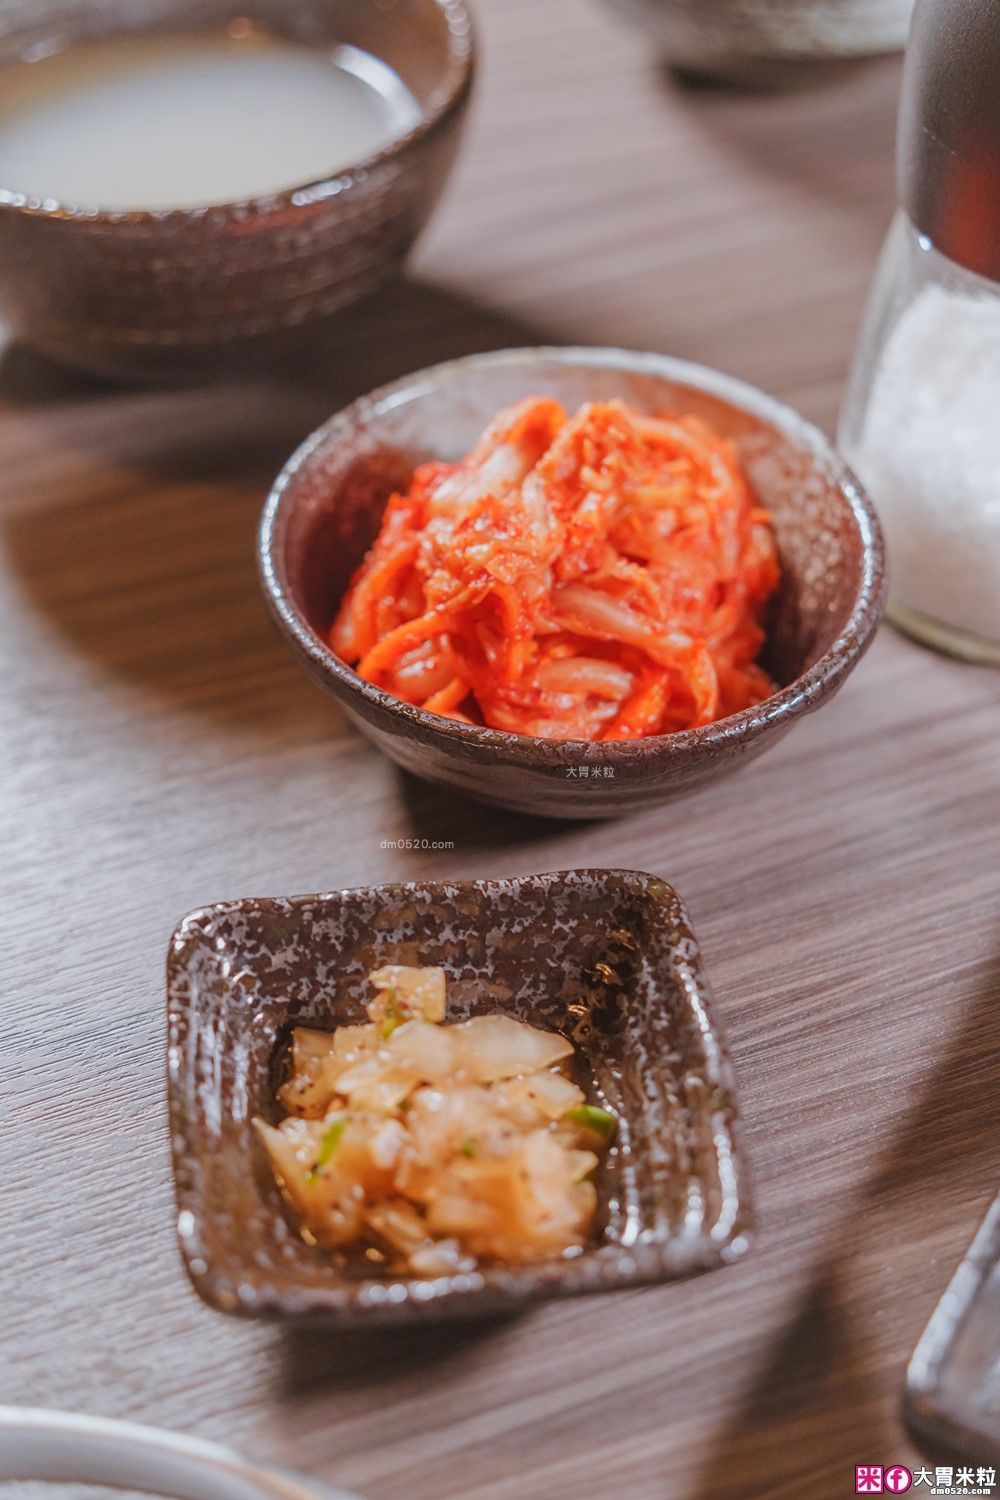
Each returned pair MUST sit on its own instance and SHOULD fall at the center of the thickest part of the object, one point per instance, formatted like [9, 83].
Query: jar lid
[949, 130]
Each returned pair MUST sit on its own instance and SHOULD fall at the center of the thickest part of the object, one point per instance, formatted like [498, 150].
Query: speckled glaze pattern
[325, 508]
[153, 294]
[606, 957]
[739, 39]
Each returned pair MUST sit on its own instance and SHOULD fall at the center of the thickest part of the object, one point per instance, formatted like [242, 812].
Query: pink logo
[868, 1479]
[897, 1479]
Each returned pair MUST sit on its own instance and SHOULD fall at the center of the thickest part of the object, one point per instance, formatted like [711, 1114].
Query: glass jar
[921, 419]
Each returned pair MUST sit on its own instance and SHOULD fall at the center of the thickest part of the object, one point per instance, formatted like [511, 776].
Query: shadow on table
[835, 143]
[811, 1413]
[773, 79]
[407, 324]
[440, 815]
[808, 1410]
[133, 529]
[314, 1359]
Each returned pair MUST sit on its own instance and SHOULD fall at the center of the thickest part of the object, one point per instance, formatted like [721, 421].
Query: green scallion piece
[591, 1117]
[327, 1147]
[468, 1147]
[394, 1016]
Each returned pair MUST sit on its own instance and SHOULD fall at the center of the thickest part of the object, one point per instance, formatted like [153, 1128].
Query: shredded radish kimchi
[596, 577]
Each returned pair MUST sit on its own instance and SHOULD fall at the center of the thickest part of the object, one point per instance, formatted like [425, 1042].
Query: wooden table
[160, 751]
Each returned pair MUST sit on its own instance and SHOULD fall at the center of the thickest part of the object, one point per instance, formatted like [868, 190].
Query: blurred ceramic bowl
[71, 1449]
[326, 507]
[762, 42]
[152, 293]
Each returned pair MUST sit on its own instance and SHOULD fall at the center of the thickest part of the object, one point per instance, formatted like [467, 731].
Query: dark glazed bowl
[152, 295]
[606, 957]
[767, 43]
[324, 512]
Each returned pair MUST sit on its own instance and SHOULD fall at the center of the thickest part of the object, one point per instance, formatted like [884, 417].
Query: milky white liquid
[154, 123]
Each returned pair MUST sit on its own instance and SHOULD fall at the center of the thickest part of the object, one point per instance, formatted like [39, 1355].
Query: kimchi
[596, 577]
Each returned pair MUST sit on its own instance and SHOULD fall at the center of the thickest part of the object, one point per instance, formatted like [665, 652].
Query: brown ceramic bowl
[154, 294]
[764, 43]
[607, 957]
[324, 512]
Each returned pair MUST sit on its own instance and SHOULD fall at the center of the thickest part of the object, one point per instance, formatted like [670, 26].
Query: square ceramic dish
[607, 957]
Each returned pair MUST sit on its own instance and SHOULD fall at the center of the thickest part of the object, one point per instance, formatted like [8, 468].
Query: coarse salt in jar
[921, 421]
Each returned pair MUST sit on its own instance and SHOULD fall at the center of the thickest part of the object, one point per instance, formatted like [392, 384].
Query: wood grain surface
[160, 750]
